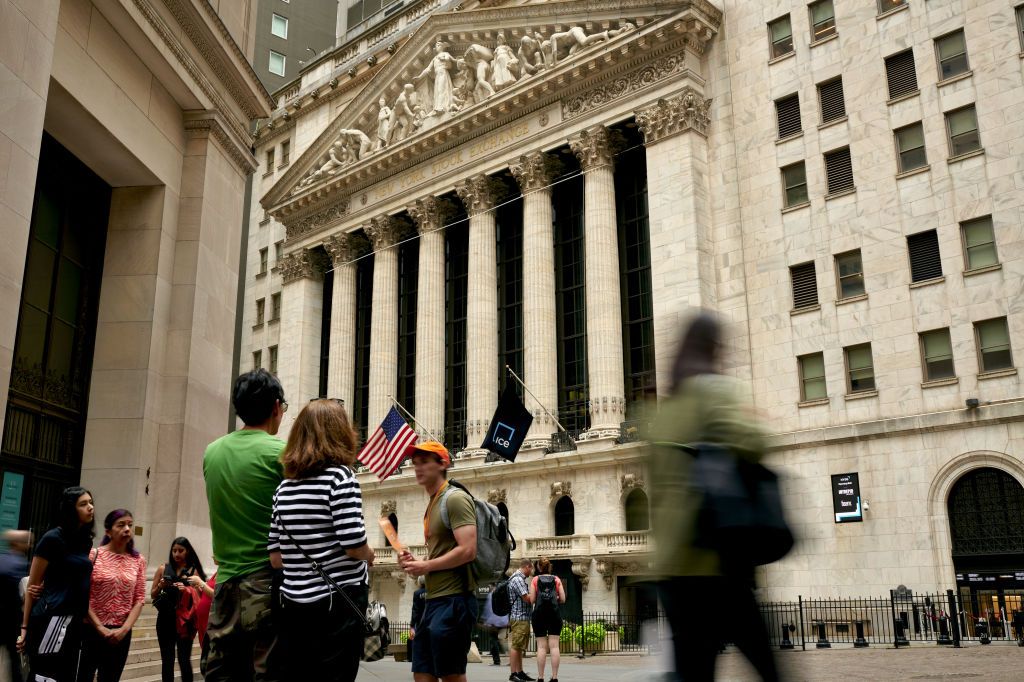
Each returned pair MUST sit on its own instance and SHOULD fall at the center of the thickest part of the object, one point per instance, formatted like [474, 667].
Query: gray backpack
[494, 541]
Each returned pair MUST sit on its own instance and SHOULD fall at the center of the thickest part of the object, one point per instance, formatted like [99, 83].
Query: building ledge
[954, 79]
[914, 171]
[261, 274]
[948, 381]
[840, 193]
[851, 299]
[257, 326]
[789, 138]
[782, 57]
[801, 311]
[833, 122]
[894, 10]
[981, 271]
[860, 395]
[998, 373]
[813, 403]
[816, 43]
[928, 282]
[963, 157]
[903, 97]
[796, 207]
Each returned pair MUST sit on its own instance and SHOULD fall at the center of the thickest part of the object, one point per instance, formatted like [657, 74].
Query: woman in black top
[175, 593]
[51, 626]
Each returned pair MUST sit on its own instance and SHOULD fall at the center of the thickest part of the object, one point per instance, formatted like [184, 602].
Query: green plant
[592, 636]
[622, 632]
[403, 638]
[568, 634]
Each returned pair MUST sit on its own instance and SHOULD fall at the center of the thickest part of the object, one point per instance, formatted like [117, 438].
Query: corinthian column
[534, 173]
[479, 194]
[384, 233]
[429, 214]
[595, 150]
[343, 250]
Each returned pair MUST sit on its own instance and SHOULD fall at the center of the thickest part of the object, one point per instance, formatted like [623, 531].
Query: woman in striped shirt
[318, 511]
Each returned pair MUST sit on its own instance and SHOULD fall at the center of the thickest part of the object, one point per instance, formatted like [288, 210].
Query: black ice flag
[509, 425]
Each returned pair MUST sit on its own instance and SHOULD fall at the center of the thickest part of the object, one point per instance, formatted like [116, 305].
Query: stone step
[150, 670]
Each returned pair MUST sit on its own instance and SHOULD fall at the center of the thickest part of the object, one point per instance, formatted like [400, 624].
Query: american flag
[384, 450]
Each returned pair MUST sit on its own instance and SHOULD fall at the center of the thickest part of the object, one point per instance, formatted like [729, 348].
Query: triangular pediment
[491, 62]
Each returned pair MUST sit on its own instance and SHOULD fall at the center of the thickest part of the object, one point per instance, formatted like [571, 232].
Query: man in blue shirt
[519, 620]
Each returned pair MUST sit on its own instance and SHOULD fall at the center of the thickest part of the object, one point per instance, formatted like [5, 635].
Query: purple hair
[108, 524]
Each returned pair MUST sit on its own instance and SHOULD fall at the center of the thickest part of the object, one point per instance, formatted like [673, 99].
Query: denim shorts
[442, 637]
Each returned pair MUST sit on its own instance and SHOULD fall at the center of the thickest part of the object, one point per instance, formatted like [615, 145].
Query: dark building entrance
[44, 428]
[986, 523]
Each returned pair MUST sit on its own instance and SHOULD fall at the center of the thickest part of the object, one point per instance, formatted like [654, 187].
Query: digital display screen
[846, 501]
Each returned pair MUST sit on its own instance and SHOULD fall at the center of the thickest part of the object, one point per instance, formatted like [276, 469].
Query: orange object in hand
[391, 534]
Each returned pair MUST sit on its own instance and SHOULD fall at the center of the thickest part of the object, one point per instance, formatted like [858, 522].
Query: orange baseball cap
[431, 447]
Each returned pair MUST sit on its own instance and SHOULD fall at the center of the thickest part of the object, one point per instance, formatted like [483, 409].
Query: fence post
[822, 642]
[898, 636]
[954, 617]
[803, 638]
[860, 642]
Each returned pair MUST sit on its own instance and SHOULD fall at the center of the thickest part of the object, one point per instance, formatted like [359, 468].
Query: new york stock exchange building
[553, 187]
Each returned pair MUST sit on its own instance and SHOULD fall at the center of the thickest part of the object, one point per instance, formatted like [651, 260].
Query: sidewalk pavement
[996, 663]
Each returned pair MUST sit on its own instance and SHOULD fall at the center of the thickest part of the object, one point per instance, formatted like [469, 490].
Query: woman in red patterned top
[116, 596]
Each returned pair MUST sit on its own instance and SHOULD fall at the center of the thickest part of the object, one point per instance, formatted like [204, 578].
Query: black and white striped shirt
[324, 514]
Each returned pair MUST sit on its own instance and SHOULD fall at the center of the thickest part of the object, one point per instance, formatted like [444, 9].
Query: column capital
[302, 264]
[535, 170]
[689, 110]
[385, 231]
[595, 147]
[344, 248]
[429, 213]
[479, 193]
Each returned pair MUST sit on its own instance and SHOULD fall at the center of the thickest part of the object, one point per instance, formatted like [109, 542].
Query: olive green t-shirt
[441, 540]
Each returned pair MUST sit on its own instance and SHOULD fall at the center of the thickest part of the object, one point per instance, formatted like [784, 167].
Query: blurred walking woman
[176, 590]
[115, 600]
[51, 626]
[318, 514]
[706, 600]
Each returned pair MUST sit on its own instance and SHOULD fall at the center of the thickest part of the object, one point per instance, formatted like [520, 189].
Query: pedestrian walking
[704, 407]
[13, 567]
[519, 620]
[175, 592]
[116, 596]
[242, 472]
[442, 639]
[318, 517]
[57, 599]
[493, 626]
[547, 595]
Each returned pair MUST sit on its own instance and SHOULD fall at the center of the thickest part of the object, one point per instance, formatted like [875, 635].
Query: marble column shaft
[479, 195]
[384, 235]
[430, 214]
[343, 250]
[595, 149]
[534, 173]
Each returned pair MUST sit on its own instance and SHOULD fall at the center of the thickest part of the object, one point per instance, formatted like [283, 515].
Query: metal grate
[833, 106]
[925, 262]
[901, 74]
[787, 113]
[839, 170]
[805, 286]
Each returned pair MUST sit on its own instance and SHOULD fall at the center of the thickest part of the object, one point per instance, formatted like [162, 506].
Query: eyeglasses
[337, 400]
[284, 406]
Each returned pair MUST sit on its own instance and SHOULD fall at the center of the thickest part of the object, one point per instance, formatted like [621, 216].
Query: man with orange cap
[443, 634]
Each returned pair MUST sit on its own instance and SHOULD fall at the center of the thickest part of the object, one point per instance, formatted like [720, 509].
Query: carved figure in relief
[478, 60]
[383, 124]
[336, 158]
[504, 66]
[563, 44]
[403, 114]
[356, 144]
[440, 67]
[530, 58]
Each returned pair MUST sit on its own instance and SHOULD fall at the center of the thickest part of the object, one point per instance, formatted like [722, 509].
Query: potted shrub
[400, 649]
[567, 641]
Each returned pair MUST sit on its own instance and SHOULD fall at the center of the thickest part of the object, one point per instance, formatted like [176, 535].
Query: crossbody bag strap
[334, 586]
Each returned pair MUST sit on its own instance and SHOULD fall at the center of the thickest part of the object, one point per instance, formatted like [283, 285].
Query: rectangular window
[951, 53]
[830, 98]
[364, 315]
[823, 19]
[937, 355]
[794, 183]
[278, 251]
[270, 161]
[787, 115]
[780, 32]
[408, 282]
[276, 64]
[279, 26]
[257, 359]
[839, 170]
[812, 376]
[509, 233]
[275, 307]
[456, 302]
[860, 371]
[272, 351]
[571, 307]
[910, 147]
[886, 5]
[925, 261]
[993, 339]
[979, 241]
[286, 149]
[261, 310]
[962, 128]
[1020, 25]
[901, 74]
[805, 285]
[850, 274]
[263, 261]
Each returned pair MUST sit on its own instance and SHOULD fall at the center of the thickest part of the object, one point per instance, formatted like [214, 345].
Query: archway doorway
[638, 516]
[565, 517]
[986, 524]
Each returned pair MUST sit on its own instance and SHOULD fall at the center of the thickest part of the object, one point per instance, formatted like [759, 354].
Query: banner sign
[846, 498]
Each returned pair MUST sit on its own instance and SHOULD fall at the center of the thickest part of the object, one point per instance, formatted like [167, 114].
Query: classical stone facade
[436, 137]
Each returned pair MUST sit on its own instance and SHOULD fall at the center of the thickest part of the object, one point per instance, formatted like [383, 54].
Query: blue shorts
[442, 637]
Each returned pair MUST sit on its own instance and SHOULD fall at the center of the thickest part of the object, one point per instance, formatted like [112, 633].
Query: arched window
[565, 517]
[393, 518]
[638, 515]
[986, 517]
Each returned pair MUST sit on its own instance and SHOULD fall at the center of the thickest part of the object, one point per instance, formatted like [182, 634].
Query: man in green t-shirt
[443, 633]
[242, 471]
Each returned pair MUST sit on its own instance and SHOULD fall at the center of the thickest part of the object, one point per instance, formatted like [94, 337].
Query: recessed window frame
[275, 307]
[850, 369]
[257, 359]
[948, 115]
[805, 379]
[982, 369]
[272, 360]
[803, 279]
[889, 62]
[904, 157]
[831, 160]
[261, 311]
[964, 225]
[777, 47]
[918, 238]
[277, 21]
[264, 257]
[786, 109]
[286, 152]
[786, 187]
[927, 360]
[270, 63]
[890, 5]
[827, 29]
[1019, 11]
[270, 160]
[822, 101]
[278, 251]
[939, 61]
[842, 279]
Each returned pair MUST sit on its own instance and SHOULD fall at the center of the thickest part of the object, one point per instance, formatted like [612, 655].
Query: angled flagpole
[411, 416]
[527, 389]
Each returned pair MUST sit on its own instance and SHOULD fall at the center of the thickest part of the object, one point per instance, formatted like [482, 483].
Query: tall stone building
[124, 151]
[291, 35]
[552, 186]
